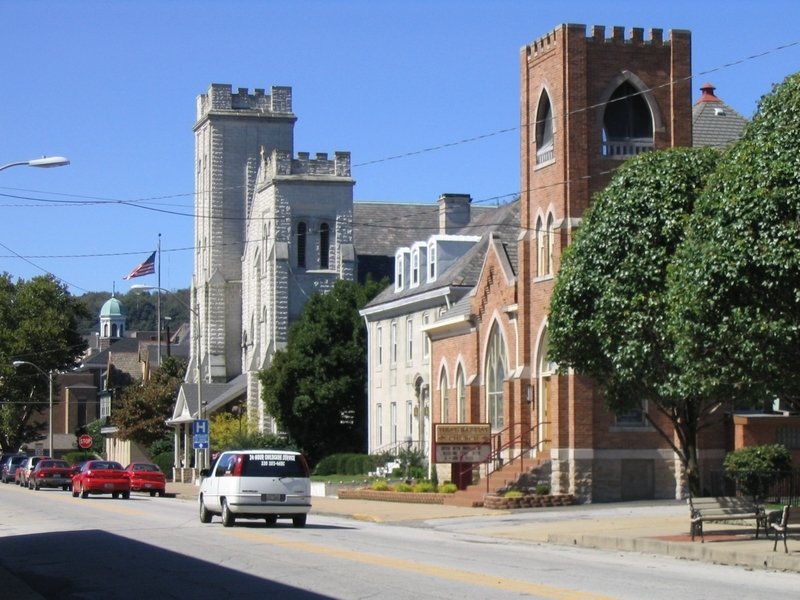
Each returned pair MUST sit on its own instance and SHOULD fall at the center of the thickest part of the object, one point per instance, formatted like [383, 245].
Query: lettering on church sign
[462, 442]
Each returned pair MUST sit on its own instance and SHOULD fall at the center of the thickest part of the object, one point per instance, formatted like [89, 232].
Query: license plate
[108, 486]
[272, 497]
[148, 485]
[56, 475]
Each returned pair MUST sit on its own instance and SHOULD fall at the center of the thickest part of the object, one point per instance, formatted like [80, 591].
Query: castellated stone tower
[588, 101]
[230, 132]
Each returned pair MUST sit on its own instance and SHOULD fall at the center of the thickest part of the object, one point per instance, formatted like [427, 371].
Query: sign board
[462, 442]
[200, 433]
[85, 441]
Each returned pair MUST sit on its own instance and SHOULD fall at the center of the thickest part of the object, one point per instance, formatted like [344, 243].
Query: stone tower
[587, 103]
[230, 132]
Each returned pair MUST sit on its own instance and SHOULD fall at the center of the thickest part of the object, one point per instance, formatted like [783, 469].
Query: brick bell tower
[587, 103]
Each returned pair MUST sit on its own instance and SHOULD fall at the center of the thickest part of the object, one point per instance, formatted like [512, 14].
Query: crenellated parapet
[597, 35]
[280, 163]
[221, 97]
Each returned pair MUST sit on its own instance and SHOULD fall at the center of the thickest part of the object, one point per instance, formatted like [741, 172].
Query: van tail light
[237, 468]
[305, 465]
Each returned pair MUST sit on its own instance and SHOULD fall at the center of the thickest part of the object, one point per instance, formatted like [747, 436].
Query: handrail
[496, 457]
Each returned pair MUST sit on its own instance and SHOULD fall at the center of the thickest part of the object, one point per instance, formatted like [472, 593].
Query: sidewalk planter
[391, 496]
[529, 501]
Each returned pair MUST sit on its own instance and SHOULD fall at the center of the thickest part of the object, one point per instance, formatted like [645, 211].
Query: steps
[510, 472]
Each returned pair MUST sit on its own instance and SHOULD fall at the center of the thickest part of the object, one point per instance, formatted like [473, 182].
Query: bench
[789, 515]
[724, 508]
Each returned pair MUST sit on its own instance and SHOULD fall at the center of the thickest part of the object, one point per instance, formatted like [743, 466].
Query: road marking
[61, 496]
[500, 583]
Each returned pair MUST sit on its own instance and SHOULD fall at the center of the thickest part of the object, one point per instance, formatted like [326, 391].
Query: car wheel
[74, 492]
[65, 487]
[115, 495]
[228, 519]
[126, 495]
[152, 494]
[30, 485]
[271, 520]
[299, 520]
[84, 493]
[162, 494]
[205, 515]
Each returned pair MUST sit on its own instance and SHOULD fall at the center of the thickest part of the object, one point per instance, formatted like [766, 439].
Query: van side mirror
[205, 472]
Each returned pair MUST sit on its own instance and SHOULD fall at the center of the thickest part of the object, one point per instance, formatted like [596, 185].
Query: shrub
[424, 487]
[381, 485]
[756, 468]
[164, 461]
[346, 464]
[448, 488]
[403, 487]
[542, 489]
[79, 455]
[513, 494]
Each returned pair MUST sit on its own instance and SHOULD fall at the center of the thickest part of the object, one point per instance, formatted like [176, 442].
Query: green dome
[112, 308]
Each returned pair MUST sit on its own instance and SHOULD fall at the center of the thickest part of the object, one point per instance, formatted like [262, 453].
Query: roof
[112, 308]
[714, 123]
[214, 395]
[466, 270]
[380, 228]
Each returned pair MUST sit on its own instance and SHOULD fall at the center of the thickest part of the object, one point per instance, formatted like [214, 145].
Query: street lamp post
[44, 162]
[197, 363]
[49, 375]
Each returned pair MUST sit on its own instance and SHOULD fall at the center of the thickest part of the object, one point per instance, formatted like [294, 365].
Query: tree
[608, 309]
[38, 324]
[316, 387]
[140, 411]
[736, 308]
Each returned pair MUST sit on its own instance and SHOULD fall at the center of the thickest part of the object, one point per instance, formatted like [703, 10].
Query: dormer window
[415, 267]
[432, 262]
[399, 269]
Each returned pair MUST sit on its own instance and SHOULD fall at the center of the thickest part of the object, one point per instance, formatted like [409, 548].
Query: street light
[44, 162]
[18, 363]
[197, 363]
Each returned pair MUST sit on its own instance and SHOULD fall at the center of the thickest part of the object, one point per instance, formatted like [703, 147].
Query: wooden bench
[789, 516]
[724, 508]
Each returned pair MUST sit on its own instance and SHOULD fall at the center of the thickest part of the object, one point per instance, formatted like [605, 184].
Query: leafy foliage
[736, 308]
[756, 468]
[140, 411]
[230, 432]
[316, 387]
[38, 324]
[608, 308]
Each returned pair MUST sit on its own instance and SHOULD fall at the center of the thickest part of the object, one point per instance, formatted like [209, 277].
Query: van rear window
[274, 465]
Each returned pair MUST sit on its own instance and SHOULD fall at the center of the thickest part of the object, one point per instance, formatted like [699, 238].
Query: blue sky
[112, 86]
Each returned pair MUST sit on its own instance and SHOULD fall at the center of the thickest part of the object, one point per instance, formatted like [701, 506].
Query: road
[100, 548]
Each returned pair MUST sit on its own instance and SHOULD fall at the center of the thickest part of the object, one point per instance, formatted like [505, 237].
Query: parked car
[25, 469]
[51, 473]
[9, 467]
[256, 484]
[101, 477]
[147, 477]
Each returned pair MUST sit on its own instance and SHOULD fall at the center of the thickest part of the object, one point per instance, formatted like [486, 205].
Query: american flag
[148, 267]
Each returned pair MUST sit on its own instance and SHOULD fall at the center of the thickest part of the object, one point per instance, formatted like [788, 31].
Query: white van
[256, 484]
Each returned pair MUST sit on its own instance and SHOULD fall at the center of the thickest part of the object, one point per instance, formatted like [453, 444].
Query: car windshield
[153, 468]
[105, 464]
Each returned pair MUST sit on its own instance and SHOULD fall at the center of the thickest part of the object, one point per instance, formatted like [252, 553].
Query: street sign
[85, 441]
[200, 434]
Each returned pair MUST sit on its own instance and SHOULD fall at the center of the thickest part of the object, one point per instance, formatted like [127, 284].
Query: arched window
[324, 245]
[461, 396]
[549, 235]
[302, 232]
[443, 385]
[495, 375]
[544, 130]
[627, 123]
[114, 330]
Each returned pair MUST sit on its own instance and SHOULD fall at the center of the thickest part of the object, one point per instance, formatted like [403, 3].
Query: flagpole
[158, 304]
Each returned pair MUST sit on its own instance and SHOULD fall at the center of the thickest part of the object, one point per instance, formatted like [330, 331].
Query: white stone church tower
[270, 229]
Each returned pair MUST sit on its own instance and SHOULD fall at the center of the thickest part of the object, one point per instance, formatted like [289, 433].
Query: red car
[50, 473]
[147, 477]
[101, 477]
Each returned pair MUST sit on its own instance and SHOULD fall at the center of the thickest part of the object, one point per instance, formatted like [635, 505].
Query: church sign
[462, 442]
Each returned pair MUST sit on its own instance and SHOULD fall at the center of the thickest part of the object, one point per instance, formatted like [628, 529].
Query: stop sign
[85, 441]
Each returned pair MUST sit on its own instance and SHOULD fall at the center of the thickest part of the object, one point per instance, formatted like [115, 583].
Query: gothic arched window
[495, 375]
[443, 385]
[302, 233]
[324, 245]
[461, 396]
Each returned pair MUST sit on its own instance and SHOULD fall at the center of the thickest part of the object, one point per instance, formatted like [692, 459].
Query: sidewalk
[659, 528]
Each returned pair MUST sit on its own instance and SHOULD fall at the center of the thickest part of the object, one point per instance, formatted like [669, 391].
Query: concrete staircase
[507, 475]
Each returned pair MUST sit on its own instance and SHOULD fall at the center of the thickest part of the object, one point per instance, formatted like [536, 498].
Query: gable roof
[714, 123]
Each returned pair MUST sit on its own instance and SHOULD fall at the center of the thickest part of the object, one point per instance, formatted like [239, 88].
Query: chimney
[453, 212]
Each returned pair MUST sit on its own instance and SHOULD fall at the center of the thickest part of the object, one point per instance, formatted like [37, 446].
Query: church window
[302, 232]
[443, 385]
[324, 245]
[495, 376]
[627, 123]
[544, 130]
[461, 396]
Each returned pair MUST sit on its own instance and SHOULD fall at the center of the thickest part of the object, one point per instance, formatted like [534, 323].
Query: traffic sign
[85, 441]
[200, 433]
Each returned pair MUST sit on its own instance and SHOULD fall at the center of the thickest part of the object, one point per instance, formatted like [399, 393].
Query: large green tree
[140, 411]
[736, 283]
[38, 324]
[608, 310]
[316, 387]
